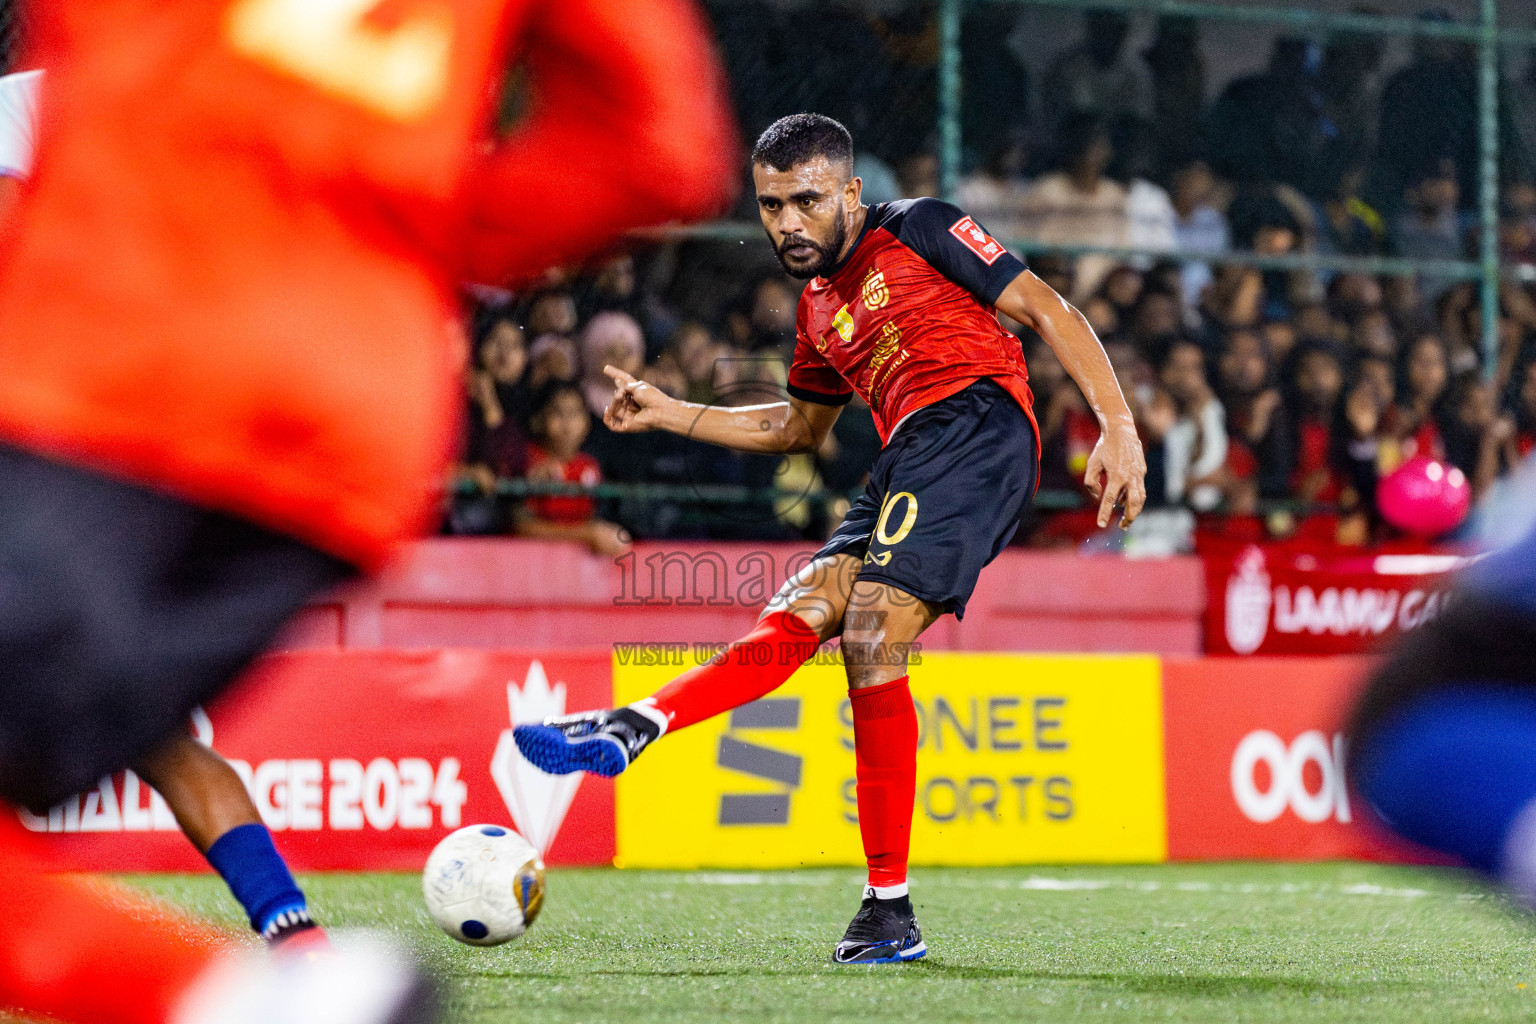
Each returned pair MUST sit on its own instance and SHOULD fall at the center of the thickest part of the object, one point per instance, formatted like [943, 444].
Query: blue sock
[1454, 769]
[256, 874]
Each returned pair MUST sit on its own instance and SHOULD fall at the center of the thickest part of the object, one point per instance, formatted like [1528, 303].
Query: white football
[484, 885]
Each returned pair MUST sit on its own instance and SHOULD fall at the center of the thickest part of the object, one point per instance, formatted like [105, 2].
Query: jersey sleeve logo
[978, 241]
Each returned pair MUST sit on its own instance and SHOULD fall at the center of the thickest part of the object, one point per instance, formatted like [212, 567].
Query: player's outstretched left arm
[1117, 469]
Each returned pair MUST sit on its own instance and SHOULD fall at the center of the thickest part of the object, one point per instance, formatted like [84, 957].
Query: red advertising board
[1295, 600]
[366, 759]
[1254, 752]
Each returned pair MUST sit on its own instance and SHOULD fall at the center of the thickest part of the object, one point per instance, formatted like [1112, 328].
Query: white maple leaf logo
[536, 800]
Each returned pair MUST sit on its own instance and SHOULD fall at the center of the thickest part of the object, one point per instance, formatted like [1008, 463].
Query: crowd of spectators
[534, 401]
[1261, 394]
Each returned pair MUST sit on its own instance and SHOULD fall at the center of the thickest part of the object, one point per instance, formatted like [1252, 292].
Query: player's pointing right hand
[636, 405]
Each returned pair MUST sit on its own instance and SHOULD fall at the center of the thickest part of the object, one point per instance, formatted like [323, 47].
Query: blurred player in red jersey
[901, 309]
[204, 793]
[228, 366]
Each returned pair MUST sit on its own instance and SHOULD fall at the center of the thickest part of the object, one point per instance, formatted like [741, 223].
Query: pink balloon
[1424, 497]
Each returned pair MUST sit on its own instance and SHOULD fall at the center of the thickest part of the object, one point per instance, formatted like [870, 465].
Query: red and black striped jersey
[907, 319]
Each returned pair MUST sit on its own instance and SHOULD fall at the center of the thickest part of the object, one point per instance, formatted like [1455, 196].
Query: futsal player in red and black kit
[901, 309]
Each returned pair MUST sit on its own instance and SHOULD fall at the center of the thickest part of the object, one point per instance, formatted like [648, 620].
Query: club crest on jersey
[978, 241]
[875, 291]
[844, 323]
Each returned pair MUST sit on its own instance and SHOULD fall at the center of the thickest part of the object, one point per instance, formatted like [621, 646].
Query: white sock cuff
[885, 892]
[649, 709]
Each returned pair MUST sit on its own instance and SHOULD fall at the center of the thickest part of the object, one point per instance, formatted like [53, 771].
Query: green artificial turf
[1229, 942]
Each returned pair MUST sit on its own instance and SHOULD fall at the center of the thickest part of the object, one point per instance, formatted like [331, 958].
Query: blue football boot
[600, 742]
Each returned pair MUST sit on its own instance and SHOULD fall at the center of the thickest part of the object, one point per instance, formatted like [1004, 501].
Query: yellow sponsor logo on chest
[875, 291]
[844, 323]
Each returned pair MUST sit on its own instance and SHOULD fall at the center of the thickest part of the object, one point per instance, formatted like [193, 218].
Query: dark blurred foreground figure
[1444, 739]
[272, 243]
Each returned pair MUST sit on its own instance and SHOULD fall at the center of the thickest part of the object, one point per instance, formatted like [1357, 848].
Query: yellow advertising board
[1022, 759]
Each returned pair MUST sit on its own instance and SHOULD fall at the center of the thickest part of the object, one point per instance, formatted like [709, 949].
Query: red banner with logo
[1255, 755]
[365, 760]
[1290, 600]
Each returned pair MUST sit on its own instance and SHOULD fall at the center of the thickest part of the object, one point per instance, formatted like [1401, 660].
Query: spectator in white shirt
[1195, 447]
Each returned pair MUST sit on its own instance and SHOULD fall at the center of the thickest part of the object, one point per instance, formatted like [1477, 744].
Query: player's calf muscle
[880, 625]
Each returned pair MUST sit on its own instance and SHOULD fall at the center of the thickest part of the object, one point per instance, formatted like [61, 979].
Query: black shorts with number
[944, 496]
[120, 610]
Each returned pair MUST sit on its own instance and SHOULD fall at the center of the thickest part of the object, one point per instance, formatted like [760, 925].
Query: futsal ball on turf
[484, 885]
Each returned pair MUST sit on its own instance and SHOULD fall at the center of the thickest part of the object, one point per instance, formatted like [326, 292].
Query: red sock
[87, 952]
[885, 747]
[752, 667]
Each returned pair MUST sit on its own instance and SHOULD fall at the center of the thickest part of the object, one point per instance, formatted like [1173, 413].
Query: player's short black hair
[793, 140]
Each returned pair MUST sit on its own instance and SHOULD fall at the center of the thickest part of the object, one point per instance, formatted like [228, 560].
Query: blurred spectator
[1517, 229]
[1413, 421]
[552, 312]
[1316, 388]
[1525, 410]
[880, 182]
[696, 351]
[1405, 304]
[615, 288]
[1156, 320]
[1097, 77]
[1429, 114]
[995, 86]
[1347, 225]
[1373, 336]
[1077, 204]
[1234, 298]
[918, 174]
[610, 339]
[1259, 451]
[1349, 79]
[1199, 226]
[1195, 447]
[1430, 226]
[764, 319]
[1280, 339]
[1150, 219]
[500, 404]
[1270, 127]
[1266, 224]
[1178, 90]
[551, 357]
[994, 192]
[1068, 430]
[560, 426]
[1478, 439]
[1351, 296]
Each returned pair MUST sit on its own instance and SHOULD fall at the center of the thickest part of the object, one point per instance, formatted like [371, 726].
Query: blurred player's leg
[120, 609]
[806, 611]
[1444, 739]
[215, 811]
[73, 951]
[881, 624]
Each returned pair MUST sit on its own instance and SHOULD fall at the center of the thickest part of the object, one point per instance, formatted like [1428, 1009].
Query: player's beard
[826, 255]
